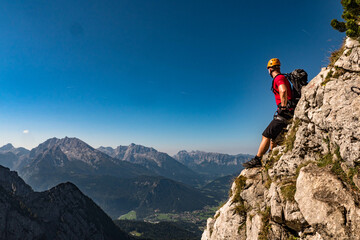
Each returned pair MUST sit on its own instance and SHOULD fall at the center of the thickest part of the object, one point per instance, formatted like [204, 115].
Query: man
[282, 90]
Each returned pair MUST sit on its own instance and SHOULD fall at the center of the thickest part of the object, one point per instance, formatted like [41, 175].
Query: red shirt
[279, 80]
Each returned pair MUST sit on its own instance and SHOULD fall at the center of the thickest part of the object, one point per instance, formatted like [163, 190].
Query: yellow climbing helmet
[273, 62]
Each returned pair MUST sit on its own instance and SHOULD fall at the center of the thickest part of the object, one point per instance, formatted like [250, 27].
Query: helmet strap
[271, 71]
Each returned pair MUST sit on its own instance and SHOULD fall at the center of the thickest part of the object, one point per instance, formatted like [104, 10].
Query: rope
[356, 90]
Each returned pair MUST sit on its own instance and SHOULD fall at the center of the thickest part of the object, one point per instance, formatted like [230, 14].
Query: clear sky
[173, 75]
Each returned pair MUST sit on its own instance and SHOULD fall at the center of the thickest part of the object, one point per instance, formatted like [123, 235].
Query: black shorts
[274, 129]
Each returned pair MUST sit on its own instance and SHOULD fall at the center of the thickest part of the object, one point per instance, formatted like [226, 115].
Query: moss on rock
[291, 136]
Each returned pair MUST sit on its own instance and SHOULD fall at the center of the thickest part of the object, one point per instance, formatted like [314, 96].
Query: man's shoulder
[280, 79]
[280, 76]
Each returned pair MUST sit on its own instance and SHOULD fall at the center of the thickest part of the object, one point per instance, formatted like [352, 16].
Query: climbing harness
[281, 118]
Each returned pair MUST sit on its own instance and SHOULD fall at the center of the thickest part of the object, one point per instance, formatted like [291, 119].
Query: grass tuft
[348, 53]
[351, 174]
[325, 160]
[336, 55]
[338, 72]
[240, 182]
[292, 237]
[264, 232]
[230, 193]
[243, 225]
[291, 136]
[288, 192]
[240, 207]
[327, 78]
[300, 167]
[337, 153]
[337, 170]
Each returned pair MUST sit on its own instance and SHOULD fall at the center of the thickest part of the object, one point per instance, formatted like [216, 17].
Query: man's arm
[283, 95]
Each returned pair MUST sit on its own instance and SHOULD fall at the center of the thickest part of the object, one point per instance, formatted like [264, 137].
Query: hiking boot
[255, 162]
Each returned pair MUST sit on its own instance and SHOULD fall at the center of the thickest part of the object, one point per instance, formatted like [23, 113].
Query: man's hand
[282, 110]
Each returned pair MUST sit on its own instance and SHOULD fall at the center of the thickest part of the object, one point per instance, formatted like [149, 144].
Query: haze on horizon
[171, 75]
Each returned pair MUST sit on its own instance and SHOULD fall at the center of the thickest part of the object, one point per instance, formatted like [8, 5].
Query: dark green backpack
[298, 79]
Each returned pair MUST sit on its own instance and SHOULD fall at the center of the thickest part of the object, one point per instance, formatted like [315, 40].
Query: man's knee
[274, 129]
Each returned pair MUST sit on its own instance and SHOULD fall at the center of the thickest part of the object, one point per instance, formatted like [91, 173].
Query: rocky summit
[308, 188]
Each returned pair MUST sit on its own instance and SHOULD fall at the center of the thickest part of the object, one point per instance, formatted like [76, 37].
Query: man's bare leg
[256, 161]
[272, 144]
[264, 146]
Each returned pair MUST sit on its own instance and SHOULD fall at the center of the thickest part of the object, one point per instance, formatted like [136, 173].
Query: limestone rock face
[308, 187]
[327, 204]
[227, 213]
[351, 58]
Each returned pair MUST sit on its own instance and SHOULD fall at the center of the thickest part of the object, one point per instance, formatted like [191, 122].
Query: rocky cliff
[308, 188]
[62, 212]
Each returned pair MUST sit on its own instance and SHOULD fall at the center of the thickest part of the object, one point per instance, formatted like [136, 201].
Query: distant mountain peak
[72, 153]
[140, 149]
[7, 147]
[73, 148]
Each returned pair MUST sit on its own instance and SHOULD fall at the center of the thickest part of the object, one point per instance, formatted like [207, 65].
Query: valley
[132, 183]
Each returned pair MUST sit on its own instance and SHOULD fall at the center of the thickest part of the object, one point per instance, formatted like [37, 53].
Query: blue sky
[168, 74]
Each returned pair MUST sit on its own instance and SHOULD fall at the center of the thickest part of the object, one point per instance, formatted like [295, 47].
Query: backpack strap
[272, 84]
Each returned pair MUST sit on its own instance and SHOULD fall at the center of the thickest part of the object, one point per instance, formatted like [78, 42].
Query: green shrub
[351, 15]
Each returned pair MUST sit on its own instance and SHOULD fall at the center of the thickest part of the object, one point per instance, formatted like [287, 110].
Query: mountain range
[120, 180]
[158, 162]
[212, 164]
[53, 161]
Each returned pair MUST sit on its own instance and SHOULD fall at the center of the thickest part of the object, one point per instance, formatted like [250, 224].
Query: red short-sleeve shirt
[279, 80]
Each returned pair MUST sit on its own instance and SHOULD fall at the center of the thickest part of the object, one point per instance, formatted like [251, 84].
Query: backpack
[298, 79]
